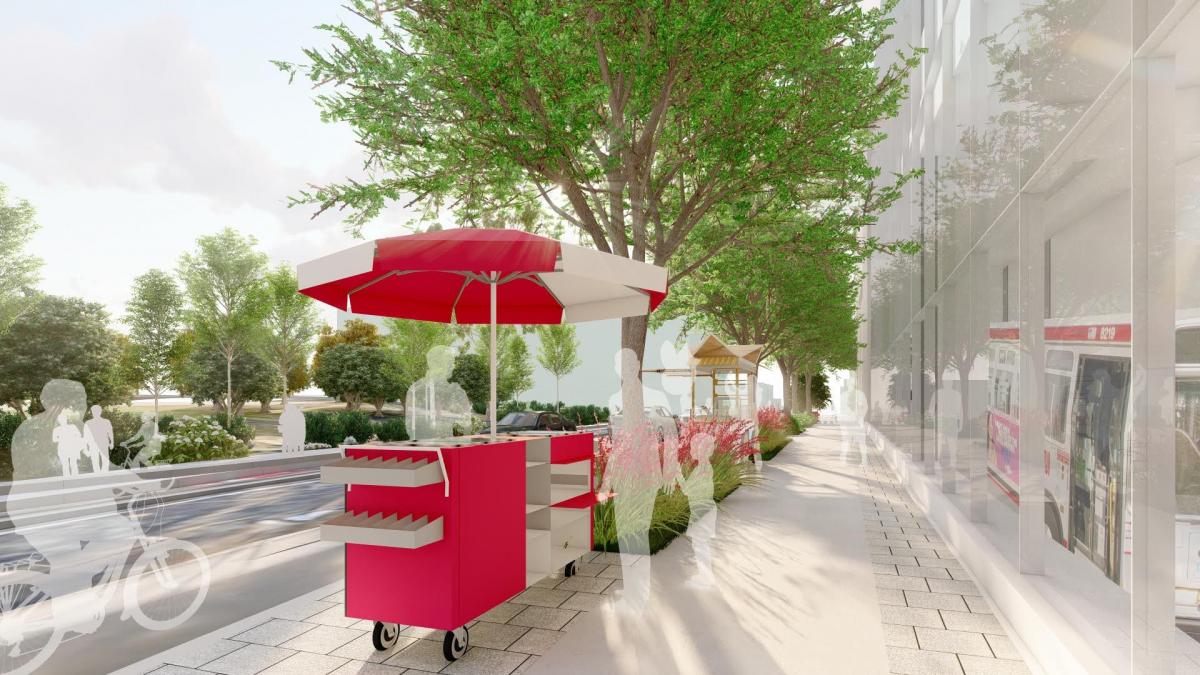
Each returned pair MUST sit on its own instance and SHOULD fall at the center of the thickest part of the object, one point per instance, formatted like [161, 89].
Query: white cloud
[132, 107]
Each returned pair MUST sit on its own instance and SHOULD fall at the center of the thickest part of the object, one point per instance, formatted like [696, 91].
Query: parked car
[662, 420]
[533, 420]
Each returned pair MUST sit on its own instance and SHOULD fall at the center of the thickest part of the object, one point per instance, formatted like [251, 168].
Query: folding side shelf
[380, 530]
[389, 472]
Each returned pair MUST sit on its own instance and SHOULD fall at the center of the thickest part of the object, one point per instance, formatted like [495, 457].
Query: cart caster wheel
[569, 570]
[455, 643]
[384, 636]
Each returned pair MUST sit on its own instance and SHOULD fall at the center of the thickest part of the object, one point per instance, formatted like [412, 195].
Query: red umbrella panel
[446, 276]
[474, 276]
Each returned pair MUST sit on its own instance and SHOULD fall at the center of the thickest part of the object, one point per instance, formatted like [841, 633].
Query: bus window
[1187, 452]
[1058, 390]
[1098, 460]
[1057, 359]
[1187, 345]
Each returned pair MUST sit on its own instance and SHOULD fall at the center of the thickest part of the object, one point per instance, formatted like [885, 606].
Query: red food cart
[438, 533]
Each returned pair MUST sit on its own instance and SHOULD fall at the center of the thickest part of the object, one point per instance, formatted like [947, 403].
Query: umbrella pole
[492, 357]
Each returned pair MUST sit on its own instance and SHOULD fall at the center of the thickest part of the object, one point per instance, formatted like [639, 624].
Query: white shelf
[534, 535]
[390, 472]
[530, 465]
[532, 578]
[532, 508]
[560, 518]
[378, 530]
[561, 492]
[579, 468]
[561, 556]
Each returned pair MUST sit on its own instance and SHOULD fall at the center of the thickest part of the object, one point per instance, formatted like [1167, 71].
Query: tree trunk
[229, 388]
[633, 338]
[264, 407]
[283, 396]
[793, 384]
[808, 404]
[557, 392]
[788, 376]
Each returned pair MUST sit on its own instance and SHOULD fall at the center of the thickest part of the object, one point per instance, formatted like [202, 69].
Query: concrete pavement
[825, 567]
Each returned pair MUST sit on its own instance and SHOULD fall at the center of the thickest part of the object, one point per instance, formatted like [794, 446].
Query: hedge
[333, 428]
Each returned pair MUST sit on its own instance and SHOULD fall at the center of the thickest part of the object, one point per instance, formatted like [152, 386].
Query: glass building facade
[1034, 373]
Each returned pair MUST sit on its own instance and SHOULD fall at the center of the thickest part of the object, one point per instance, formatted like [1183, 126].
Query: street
[245, 578]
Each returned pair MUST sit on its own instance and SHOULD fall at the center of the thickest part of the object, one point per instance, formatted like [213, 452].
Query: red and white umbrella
[472, 276]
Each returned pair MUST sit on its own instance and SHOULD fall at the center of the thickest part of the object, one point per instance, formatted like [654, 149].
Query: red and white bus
[1085, 455]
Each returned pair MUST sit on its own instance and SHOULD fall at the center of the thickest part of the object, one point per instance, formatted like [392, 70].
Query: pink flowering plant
[640, 461]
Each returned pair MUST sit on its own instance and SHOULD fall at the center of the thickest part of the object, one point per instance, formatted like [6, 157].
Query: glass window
[1187, 345]
[1187, 446]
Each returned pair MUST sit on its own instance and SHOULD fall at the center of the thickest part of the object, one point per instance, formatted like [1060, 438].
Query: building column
[1151, 483]
[1031, 281]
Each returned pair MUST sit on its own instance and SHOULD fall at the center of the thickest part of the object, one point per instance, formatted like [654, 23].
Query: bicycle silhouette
[35, 620]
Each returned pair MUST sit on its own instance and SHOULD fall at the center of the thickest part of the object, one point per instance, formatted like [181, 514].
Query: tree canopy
[154, 315]
[65, 338]
[637, 123]
[223, 278]
[18, 269]
[558, 353]
[289, 328]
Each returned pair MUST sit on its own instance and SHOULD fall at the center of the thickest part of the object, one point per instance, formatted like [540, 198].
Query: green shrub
[354, 423]
[192, 440]
[579, 414]
[8, 426]
[125, 426]
[390, 429]
[164, 423]
[321, 426]
[771, 441]
[238, 426]
[802, 421]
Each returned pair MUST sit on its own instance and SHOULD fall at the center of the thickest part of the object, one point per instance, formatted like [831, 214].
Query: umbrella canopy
[446, 276]
[472, 276]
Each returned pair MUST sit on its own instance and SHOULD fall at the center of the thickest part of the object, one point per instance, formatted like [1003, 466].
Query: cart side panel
[415, 587]
[569, 448]
[491, 488]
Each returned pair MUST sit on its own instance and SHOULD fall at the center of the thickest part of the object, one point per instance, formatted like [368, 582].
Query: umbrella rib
[393, 273]
[538, 280]
[454, 307]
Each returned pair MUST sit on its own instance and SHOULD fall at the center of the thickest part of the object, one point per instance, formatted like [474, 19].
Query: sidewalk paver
[826, 566]
[953, 627]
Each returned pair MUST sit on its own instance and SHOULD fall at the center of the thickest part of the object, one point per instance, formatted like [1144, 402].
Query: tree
[514, 371]
[288, 329]
[65, 338]
[792, 288]
[18, 269]
[226, 297]
[409, 341]
[558, 353]
[205, 375]
[634, 122]
[155, 316]
[471, 373]
[355, 373]
[355, 332]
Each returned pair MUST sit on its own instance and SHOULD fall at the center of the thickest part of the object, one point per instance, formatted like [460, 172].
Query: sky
[135, 127]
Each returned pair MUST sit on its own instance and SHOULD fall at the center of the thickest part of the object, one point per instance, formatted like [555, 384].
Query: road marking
[55, 523]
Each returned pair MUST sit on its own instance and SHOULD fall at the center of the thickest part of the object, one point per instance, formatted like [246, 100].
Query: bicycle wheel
[29, 632]
[167, 584]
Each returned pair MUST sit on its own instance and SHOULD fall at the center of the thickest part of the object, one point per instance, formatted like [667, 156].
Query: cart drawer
[380, 530]
[389, 472]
